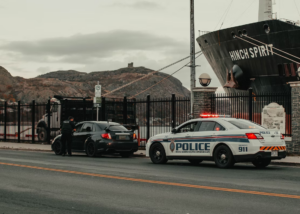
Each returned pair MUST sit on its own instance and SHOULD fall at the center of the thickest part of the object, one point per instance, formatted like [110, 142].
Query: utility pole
[193, 66]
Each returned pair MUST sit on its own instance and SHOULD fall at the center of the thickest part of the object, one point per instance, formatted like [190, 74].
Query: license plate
[122, 137]
[274, 153]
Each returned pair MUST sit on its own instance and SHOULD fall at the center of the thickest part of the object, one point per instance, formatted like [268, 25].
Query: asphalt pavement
[41, 182]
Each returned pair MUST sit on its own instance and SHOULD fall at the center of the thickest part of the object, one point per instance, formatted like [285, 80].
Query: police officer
[67, 128]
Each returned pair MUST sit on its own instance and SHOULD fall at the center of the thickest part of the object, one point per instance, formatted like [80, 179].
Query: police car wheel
[158, 154]
[57, 147]
[223, 157]
[261, 163]
[91, 150]
[194, 161]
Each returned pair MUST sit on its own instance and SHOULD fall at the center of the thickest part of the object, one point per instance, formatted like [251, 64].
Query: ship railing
[201, 33]
[290, 21]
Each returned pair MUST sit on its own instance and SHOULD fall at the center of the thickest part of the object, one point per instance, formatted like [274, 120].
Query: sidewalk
[41, 147]
[290, 160]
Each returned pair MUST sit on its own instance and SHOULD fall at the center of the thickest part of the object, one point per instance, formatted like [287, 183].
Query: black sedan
[97, 138]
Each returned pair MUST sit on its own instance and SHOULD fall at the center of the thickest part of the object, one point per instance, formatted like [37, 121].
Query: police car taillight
[106, 136]
[254, 136]
[282, 137]
[209, 116]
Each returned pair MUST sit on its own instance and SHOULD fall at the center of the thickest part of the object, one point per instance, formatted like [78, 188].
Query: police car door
[203, 139]
[181, 140]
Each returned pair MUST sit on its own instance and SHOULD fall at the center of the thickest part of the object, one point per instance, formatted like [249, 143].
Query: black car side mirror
[174, 131]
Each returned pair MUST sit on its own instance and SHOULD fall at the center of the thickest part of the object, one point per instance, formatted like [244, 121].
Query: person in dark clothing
[67, 128]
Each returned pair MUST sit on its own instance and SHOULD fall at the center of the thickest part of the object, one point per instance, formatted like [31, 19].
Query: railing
[250, 106]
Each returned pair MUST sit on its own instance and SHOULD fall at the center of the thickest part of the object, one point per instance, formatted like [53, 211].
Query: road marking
[156, 182]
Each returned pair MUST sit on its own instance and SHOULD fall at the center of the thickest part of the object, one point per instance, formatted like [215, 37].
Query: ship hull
[262, 69]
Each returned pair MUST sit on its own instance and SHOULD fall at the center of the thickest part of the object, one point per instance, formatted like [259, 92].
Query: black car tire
[158, 154]
[223, 157]
[91, 149]
[195, 161]
[42, 135]
[126, 154]
[262, 163]
[57, 147]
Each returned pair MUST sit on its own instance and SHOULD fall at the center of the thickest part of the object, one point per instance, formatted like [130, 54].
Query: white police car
[223, 140]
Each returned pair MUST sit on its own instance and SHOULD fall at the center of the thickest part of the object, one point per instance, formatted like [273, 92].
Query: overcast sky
[39, 36]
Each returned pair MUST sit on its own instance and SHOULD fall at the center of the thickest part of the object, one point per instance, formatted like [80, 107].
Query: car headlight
[149, 141]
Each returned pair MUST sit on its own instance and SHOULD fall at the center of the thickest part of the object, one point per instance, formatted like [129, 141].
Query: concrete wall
[202, 101]
[294, 145]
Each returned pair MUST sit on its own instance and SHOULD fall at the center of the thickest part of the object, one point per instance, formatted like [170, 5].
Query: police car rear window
[117, 128]
[243, 124]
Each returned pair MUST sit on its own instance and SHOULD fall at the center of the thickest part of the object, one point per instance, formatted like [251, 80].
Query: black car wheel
[158, 154]
[195, 161]
[223, 157]
[42, 136]
[57, 147]
[91, 150]
[126, 154]
[262, 163]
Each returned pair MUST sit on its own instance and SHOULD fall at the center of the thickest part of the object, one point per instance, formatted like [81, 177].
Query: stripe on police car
[272, 148]
[158, 182]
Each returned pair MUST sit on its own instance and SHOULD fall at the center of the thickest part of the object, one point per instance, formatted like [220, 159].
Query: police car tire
[229, 159]
[261, 163]
[91, 150]
[155, 158]
[57, 146]
[195, 161]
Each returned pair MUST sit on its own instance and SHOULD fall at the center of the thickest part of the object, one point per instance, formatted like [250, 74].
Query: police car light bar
[212, 116]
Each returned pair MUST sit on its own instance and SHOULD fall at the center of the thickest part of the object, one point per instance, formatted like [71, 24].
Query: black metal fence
[40, 122]
[250, 106]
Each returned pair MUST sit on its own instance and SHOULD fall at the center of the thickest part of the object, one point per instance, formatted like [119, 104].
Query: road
[41, 182]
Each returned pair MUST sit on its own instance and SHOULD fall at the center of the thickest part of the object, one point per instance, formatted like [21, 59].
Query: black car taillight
[106, 136]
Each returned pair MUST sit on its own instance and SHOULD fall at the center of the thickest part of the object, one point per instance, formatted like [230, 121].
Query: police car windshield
[117, 128]
[244, 124]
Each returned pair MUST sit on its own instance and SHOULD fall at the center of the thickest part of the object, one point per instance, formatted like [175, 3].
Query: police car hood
[163, 135]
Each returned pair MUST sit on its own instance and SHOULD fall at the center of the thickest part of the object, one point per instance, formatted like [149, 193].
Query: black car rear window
[117, 128]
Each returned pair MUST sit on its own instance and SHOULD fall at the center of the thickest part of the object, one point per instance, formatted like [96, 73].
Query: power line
[117, 89]
[243, 12]
[224, 14]
[163, 79]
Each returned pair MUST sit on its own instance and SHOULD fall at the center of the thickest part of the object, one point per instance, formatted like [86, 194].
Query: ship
[264, 55]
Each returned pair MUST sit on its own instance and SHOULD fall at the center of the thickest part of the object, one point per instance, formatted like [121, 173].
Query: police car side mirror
[174, 131]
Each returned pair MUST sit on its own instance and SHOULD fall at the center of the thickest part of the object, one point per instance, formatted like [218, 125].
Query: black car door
[86, 131]
[76, 137]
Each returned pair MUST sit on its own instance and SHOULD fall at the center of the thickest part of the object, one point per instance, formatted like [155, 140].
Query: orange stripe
[158, 182]
[262, 147]
[271, 148]
[267, 148]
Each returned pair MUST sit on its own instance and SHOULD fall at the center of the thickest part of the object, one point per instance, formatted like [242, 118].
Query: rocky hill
[75, 83]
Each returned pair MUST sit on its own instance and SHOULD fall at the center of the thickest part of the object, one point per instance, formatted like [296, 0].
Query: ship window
[206, 41]
[240, 33]
[233, 35]
[245, 32]
[267, 28]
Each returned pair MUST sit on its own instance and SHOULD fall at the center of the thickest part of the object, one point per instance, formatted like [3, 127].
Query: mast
[265, 10]
[192, 48]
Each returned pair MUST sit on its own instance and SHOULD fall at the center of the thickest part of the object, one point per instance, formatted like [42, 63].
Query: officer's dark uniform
[66, 131]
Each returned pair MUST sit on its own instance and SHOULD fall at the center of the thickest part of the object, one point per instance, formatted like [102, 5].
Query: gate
[249, 106]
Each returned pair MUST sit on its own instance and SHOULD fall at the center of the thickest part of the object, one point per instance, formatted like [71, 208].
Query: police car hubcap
[223, 156]
[157, 153]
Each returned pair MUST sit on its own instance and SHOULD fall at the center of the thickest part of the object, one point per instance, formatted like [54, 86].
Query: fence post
[5, 119]
[148, 116]
[173, 111]
[19, 121]
[48, 122]
[33, 120]
[250, 104]
[125, 110]
[84, 109]
[103, 109]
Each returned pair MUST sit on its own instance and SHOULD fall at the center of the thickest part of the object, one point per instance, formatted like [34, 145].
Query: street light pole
[192, 49]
